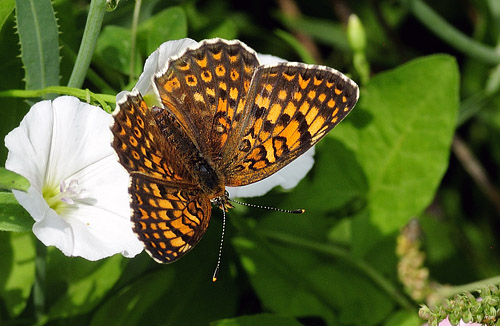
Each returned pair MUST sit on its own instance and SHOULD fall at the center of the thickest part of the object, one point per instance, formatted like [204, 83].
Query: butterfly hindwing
[169, 218]
[290, 107]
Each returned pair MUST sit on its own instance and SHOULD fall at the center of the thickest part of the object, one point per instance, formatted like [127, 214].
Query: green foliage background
[425, 90]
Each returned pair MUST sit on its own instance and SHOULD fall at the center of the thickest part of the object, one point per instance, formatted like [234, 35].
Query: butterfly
[225, 121]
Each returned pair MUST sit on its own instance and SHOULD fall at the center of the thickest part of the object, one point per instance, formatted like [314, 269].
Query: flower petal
[29, 144]
[33, 202]
[80, 137]
[267, 59]
[64, 145]
[103, 211]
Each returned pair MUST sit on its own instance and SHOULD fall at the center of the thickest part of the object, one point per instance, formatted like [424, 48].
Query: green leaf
[175, 294]
[298, 282]
[6, 8]
[169, 24]
[227, 29]
[87, 282]
[322, 30]
[301, 50]
[38, 35]
[261, 320]
[113, 50]
[17, 254]
[12, 109]
[403, 318]
[11, 180]
[408, 117]
[129, 306]
[13, 217]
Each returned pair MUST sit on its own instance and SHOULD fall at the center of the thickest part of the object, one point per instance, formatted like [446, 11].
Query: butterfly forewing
[289, 108]
[205, 89]
[137, 142]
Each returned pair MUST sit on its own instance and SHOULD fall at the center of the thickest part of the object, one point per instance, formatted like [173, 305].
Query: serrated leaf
[13, 217]
[169, 24]
[38, 35]
[6, 8]
[10, 180]
[17, 253]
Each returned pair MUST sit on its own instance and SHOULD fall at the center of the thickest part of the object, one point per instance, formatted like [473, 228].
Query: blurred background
[402, 204]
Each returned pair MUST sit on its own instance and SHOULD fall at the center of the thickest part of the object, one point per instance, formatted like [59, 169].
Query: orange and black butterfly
[226, 121]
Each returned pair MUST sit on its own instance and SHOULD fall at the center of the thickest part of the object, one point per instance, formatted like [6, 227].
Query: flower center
[57, 199]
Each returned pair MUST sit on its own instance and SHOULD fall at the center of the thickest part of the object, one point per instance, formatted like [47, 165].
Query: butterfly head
[223, 202]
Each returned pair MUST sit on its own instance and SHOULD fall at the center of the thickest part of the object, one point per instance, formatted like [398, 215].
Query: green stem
[451, 35]
[92, 29]
[135, 22]
[39, 284]
[341, 253]
[83, 94]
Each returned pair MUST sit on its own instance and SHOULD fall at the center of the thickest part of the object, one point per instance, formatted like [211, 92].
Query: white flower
[78, 195]
[446, 322]
[288, 177]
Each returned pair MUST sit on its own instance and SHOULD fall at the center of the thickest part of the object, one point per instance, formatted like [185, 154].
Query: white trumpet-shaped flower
[78, 195]
[288, 177]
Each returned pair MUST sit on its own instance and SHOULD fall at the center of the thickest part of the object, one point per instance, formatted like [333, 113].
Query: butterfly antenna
[290, 211]
[216, 272]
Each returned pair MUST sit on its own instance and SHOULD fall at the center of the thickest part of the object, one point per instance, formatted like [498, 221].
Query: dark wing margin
[290, 107]
[169, 218]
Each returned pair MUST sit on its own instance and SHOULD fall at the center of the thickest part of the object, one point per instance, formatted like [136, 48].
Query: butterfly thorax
[190, 159]
[208, 179]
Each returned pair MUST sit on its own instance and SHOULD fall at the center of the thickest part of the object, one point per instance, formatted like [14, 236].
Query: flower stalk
[89, 40]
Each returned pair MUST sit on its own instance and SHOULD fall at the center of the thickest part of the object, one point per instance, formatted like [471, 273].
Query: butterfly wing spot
[279, 146]
[282, 95]
[133, 141]
[303, 82]
[220, 71]
[206, 76]
[235, 75]
[191, 80]
[202, 62]
[198, 97]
